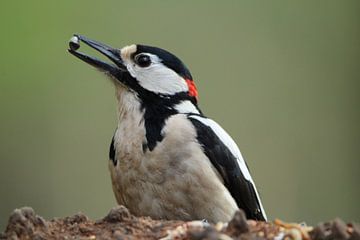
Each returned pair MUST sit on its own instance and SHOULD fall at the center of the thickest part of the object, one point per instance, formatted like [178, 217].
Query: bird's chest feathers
[130, 132]
[139, 130]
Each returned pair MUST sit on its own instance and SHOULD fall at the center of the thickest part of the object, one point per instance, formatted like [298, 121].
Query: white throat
[128, 104]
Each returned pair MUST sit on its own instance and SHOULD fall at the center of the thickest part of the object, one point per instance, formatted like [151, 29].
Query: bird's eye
[143, 60]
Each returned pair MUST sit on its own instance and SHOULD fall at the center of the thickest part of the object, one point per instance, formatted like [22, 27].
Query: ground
[120, 224]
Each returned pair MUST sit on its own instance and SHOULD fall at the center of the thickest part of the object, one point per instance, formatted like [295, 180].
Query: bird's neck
[129, 105]
[150, 115]
[130, 102]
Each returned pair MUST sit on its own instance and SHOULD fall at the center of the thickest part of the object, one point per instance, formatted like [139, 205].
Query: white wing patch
[231, 145]
[186, 107]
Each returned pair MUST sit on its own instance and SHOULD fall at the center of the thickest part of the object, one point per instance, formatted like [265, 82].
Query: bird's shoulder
[226, 157]
[215, 138]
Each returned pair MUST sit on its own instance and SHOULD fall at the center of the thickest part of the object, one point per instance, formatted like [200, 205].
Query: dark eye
[143, 60]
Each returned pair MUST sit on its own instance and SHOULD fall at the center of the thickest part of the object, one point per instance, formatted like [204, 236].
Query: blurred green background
[282, 77]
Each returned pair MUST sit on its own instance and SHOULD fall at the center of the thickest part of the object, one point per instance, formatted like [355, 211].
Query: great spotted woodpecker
[167, 160]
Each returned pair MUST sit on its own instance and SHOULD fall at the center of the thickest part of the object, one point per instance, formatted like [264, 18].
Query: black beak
[113, 54]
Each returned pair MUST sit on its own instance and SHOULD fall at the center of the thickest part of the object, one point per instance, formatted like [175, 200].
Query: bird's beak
[116, 69]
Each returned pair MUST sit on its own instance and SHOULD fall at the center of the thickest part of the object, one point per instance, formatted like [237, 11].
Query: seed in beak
[74, 43]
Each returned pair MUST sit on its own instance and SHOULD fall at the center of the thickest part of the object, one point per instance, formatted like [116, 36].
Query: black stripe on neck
[158, 108]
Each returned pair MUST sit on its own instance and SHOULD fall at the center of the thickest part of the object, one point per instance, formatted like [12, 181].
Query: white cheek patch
[157, 77]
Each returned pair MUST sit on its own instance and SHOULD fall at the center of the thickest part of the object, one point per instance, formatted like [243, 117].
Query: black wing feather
[226, 164]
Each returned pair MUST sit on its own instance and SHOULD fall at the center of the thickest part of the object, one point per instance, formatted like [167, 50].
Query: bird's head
[149, 72]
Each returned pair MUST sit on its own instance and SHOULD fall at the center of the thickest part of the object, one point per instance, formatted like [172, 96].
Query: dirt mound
[120, 224]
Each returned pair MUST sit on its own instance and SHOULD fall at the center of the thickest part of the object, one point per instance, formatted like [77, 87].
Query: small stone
[238, 223]
[77, 218]
[117, 214]
[251, 223]
[355, 235]
[338, 229]
[38, 236]
[319, 232]
[118, 235]
[85, 229]
[295, 234]
[207, 233]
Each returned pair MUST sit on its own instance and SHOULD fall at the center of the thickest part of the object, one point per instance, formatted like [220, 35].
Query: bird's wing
[224, 154]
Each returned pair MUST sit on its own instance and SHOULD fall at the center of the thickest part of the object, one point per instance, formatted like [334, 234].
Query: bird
[167, 160]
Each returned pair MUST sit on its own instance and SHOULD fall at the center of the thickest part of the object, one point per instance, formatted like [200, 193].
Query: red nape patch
[192, 88]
